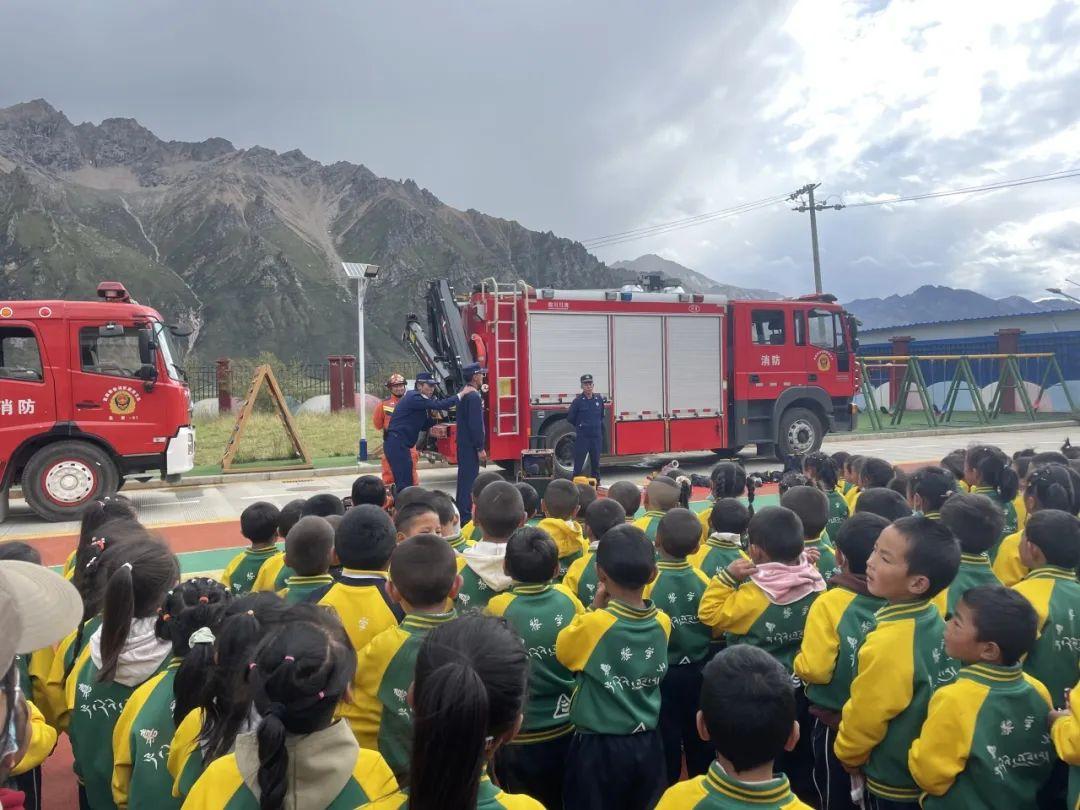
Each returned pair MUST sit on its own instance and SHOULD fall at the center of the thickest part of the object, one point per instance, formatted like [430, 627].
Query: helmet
[395, 379]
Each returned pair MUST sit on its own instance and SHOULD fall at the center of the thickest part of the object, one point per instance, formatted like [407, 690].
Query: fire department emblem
[823, 360]
[122, 400]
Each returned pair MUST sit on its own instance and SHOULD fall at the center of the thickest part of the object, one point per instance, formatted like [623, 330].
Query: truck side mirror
[148, 373]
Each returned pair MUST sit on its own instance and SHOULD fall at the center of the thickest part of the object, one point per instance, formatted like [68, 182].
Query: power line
[1063, 174]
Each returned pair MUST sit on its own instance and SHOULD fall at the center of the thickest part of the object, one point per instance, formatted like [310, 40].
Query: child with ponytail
[928, 488]
[213, 701]
[192, 613]
[728, 479]
[1051, 486]
[298, 757]
[96, 515]
[988, 471]
[123, 653]
[822, 472]
[467, 698]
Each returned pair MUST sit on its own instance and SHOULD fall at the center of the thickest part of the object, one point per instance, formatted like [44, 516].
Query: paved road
[224, 502]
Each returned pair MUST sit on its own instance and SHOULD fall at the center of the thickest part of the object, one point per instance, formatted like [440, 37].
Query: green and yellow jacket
[974, 571]
[677, 590]
[488, 797]
[718, 791]
[240, 574]
[649, 522]
[838, 513]
[273, 574]
[984, 741]
[569, 540]
[1065, 734]
[140, 743]
[300, 589]
[581, 576]
[1055, 594]
[717, 552]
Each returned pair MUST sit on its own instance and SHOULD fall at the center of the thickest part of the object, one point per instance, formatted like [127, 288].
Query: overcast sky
[589, 118]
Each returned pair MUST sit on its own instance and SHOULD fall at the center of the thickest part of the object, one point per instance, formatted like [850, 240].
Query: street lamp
[1059, 291]
[363, 273]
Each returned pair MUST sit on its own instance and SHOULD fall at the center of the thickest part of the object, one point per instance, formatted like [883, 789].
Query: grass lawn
[331, 439]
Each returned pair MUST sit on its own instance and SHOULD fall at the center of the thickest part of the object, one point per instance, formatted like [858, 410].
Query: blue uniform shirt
[411, 415]
[587, 414]
[470, 422]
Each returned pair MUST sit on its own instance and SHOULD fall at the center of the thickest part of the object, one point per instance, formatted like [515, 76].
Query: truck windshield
[168, 351]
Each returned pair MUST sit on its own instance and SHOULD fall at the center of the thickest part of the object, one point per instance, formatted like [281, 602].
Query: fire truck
[681, 371]
[90, 391]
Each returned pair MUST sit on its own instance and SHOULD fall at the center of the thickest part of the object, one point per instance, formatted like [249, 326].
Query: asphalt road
[196, 504]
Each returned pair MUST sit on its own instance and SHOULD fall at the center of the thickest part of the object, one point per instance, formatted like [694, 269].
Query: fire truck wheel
[61, 478]
[800, 433]
[560, 438]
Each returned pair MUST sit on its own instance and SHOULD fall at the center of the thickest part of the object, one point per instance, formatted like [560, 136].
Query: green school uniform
[974, 571]
[718, 551]
[677, 590]
[649, 522]
[239, 575]
[1009, 510]
[718, 791]
[581, 577]
[838, 513]
[300, 589]
[1055, 595]
[826, 564]
[146, 729]
[474, 593]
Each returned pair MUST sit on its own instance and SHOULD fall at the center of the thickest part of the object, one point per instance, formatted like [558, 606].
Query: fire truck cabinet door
[637, 345]
[695, 388]
[562, 347]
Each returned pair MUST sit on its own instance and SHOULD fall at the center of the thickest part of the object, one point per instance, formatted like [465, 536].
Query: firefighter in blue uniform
[410, 417]
[471, 441]
[586, 414]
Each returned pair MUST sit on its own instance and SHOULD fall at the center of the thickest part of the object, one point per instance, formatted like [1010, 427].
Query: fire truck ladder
[505, 366]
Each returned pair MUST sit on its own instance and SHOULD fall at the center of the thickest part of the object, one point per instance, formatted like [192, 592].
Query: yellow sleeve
[665, 623]
[366, 716]
[643, 522]
[268, 573]
[571, 594]
[226, 575]
[121, 744]
[726, 605]
[1021, 510]
[217, 785]
[1007, 565]
[1038, 592]
[1066, 731]
[688, 793]
[941, 602]
[940, 752]
[703, 517]
[499, 603]
[573, 573]
[816, 659]
[55, 703]
[373, 774]
[69, 688]
[882, 689]
[42, 741]
[576, 642]
[851, 499]
[40, 665]
[185, 743]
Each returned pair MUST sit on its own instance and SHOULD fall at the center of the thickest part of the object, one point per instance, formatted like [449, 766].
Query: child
[618, 652]
[423, 577]
[661, 495]
[560, 504]
[323, 505]
[748, 716]
[976, 522]
[836, 625]
[308, 552]
[677, 591]
[628, 495]
[581, 579]
[900, 662]
[122, 654]
[188, 619]
[988, 472]
[840, 459]
[983, 744]
[728, 520]
[1051, 550]
[368, 489]
[96, 515]
[419, 517]
[298, 755]
[218, 690]
[792, 479]
[471, 531]
[823, 473]
[769, 610]
[852, 469]
[726, 480]
[954, 463]
[1065, 734]
[531, 501]
[586, 495]
[928, 488]
[535, 760]
[899, 482]
[271, 577]
[449, 520]
[363, 542]
[467, 700]
[259, 525]
[883, 501]
[499, 511]
[812, 507]
[1047, 487]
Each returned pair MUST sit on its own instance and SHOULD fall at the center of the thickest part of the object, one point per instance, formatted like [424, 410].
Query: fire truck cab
[681, 372]
[89, 392]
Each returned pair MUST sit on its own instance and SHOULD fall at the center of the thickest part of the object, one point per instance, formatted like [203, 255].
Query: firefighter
[381, 420]
[409, 418]
[586, 414]
[470, 439]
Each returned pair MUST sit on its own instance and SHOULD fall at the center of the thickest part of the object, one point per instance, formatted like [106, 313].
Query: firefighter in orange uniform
[381, 419]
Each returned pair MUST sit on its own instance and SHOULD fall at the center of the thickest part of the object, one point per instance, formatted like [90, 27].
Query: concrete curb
[946, 431]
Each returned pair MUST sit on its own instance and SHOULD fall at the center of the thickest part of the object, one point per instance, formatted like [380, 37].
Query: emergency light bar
[113, 291]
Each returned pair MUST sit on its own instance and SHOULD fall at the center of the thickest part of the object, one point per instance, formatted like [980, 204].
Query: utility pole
[813, 208]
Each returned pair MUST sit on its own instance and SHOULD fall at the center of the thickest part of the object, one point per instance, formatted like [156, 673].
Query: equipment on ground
[90, 391]
[681, 371]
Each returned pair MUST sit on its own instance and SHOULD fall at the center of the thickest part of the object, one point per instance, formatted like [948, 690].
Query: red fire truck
[90, 391]
[681, 371]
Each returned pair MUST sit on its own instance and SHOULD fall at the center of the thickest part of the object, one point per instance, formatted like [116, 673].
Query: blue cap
[471, 369]
[425, 377]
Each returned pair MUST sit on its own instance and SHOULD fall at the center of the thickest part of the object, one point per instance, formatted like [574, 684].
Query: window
[20, 358]
[825, 330]
[768, 327]
[800, 327]
[116, 354]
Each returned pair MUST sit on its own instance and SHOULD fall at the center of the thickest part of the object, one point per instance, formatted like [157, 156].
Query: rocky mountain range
[692, 281]
[938, 303]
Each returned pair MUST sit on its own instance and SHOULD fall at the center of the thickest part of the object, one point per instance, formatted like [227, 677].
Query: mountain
[938, 303]
[245, 245]
[692, 281]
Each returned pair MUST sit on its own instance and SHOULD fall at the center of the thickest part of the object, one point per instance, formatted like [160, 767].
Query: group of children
[878, 639]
